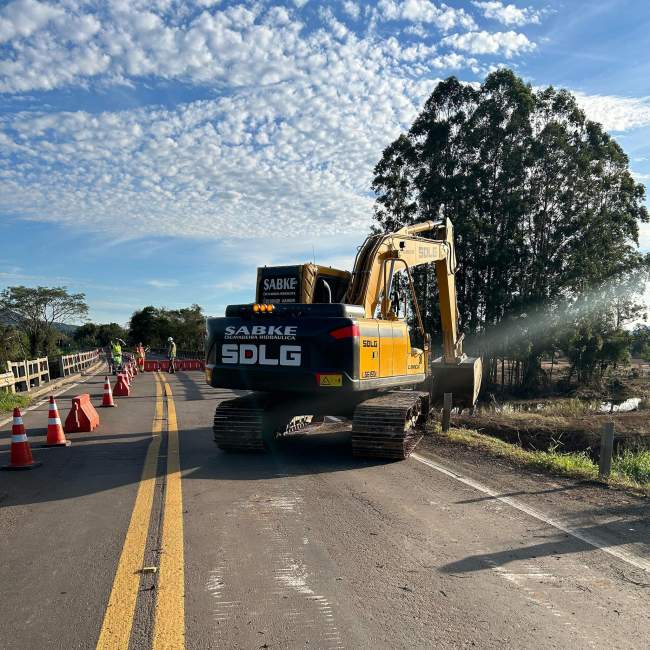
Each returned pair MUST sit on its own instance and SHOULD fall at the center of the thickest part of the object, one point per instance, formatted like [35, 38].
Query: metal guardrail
[28, 374]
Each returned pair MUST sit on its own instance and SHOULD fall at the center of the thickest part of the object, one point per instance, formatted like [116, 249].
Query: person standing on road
[171, 354]
[140, 353]
[116, 354]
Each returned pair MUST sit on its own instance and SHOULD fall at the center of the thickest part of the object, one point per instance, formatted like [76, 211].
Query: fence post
[606, 450]
[446, 410]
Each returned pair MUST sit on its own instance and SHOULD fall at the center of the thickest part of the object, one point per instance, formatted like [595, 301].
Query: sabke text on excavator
[350, 351]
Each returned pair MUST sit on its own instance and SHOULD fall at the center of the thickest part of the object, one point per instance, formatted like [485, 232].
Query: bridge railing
[27, 374]
[30, 374]
[71, 364]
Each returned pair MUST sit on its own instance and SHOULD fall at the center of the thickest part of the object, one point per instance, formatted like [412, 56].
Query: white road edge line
[626, 556]
[62, 390]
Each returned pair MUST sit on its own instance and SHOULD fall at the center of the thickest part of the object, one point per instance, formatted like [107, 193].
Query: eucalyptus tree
[545, 210]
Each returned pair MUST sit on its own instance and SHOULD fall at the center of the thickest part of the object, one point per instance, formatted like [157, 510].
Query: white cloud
[509, 14]
[616, 113]
[424, 11]
[162, 284]
[507, 43]
[295, 119]
[352, 9]
[21, 18]
[287, 147]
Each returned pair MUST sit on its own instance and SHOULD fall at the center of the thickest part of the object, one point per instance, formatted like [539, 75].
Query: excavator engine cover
[462, 380]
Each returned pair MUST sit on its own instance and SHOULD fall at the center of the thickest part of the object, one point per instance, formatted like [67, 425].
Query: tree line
[36, 321]
[546, 216]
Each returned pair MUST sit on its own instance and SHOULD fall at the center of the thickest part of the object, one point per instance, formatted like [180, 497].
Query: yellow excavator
[320, 341]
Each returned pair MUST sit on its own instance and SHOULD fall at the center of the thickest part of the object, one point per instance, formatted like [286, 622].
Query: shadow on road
[102, 462]
[631, 529]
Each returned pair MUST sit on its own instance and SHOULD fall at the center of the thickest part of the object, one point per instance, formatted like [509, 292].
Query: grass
[633, 464]
[570, 407]
[631, 469]
[8, 401]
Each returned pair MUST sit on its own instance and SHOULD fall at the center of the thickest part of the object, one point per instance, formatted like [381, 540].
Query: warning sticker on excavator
[330, 380]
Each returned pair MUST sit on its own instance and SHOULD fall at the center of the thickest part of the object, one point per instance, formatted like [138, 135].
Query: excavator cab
[304, 283]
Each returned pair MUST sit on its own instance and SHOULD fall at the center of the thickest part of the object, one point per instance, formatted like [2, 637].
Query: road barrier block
[163, 365]
[82, 417]
[150, 366]
[122, 388]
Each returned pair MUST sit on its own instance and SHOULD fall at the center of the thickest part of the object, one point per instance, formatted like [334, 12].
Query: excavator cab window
[330, 288]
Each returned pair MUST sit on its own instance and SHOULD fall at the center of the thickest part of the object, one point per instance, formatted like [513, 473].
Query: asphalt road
[304, 547]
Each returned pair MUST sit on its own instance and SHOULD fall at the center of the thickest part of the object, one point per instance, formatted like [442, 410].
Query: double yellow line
[169, 614]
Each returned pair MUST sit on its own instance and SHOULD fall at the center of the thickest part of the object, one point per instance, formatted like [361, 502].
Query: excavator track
[251, 422]
[389, 426]
[242, 424]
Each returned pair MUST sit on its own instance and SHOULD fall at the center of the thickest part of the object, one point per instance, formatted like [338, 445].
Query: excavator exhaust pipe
[462, 379]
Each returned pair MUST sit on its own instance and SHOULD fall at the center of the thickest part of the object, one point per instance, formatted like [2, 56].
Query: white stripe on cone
[18, 421]
[19, 438]
[54, 420]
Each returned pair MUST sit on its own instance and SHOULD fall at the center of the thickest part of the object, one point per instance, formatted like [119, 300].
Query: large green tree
[152, 326]
[91, 335]
[35, 310]
[545, 210]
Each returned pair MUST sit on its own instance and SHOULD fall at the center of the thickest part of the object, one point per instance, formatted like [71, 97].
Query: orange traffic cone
[21, 453]
[107, 400]
[55, 434]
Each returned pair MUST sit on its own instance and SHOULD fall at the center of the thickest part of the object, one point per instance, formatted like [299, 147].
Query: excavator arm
[377, 261]
[381, 256]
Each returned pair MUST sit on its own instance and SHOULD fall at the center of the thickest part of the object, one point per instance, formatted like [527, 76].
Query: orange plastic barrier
[150, 366]
[83, 416]
[122, 388]
[163, 365]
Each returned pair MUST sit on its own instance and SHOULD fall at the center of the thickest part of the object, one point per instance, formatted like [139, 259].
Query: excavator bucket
[462, 380]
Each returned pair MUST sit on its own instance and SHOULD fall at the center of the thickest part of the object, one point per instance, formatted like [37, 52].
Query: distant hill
[9, 318]
[66, 328]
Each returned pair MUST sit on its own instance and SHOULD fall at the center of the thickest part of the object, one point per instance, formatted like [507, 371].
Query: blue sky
[158, 152]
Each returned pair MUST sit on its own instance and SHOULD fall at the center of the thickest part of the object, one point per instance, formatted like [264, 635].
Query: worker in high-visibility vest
[116, 353]
[140, 353]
